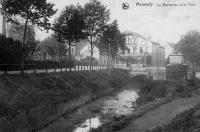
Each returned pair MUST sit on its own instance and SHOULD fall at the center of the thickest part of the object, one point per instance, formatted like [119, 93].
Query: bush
[183, 122]
[26, 94]
[36, 64]
[144, 99]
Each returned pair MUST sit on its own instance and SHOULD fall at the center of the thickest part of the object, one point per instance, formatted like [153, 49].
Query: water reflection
[95, 114]
[121, 104]
[89, 124]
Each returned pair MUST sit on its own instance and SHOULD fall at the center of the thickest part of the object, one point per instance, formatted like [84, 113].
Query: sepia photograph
[99, 66]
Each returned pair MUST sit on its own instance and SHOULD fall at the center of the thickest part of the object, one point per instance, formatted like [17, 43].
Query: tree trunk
[70, 57]
[23, 46]
[91, 53]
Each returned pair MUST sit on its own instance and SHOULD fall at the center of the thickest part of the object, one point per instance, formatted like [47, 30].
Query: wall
[3, 26]
[158, 55]
[155, 54]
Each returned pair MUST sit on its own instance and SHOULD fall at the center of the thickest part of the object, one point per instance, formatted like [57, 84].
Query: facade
[142, 51]
[82, 51]
[158, 55]
[176, 59]
[17, 32]
[48, 49]
[3, 25]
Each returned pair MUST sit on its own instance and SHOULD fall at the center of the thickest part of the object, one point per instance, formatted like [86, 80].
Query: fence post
[5, 71]
[54, 68]
[46, 67]
[35, 71]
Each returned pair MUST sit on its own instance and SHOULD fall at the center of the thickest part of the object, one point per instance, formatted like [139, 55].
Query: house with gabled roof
[143, 51]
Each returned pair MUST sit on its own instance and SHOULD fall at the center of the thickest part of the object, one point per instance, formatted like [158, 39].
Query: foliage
[69, 26]
[189, 45]
[95, 17]
[184, 122]
[53, 47]
[16, 32]
[10, 51]
[35, 64]
[112, 36]
[35, 12]
[42, 92]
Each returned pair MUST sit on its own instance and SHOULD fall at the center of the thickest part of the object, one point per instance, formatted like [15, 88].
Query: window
[141, 50]
[131, 39]
[134, 50]
[146, 50]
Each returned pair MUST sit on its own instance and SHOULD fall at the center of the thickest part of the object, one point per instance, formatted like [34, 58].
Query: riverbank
[34, 101]
[165, 98]
[186, 121]
[96, 113]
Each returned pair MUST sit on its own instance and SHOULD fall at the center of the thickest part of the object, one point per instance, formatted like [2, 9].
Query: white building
[3, 26]
[137, 44]
[83, 50]
[143, 51]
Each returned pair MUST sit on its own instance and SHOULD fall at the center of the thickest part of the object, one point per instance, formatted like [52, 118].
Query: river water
[95, 114]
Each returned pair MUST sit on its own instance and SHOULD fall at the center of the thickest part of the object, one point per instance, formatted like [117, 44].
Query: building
[3, 25]
[142, 51]
[79, 52]
[17, 33]
[158, 54]
[82, 50]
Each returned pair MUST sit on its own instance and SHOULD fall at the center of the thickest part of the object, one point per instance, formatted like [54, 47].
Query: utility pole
[109, 51]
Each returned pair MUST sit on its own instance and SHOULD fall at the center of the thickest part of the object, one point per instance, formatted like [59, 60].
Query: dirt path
[161, 115]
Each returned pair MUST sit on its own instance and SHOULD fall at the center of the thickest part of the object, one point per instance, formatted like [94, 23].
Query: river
[95, 114]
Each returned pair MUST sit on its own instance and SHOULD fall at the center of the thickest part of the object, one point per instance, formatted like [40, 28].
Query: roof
[135, 34]
[172, 45]
[153, 42]
[162, 47]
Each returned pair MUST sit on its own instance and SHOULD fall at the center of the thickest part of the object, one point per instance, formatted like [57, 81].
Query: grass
[21, 95]
[184, 122]
[152, 94]
[158, 89]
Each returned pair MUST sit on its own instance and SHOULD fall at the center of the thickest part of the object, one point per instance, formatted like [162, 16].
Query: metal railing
[48, 70]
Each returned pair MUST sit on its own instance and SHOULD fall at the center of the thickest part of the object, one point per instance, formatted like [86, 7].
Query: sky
[163, 24]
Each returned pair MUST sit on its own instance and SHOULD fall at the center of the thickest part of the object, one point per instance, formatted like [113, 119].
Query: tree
[35, 12]
[16, 32]
[53, 47]
[10, 52]
[189, 45]
[69, 27]
[112, 39]
[95, 17]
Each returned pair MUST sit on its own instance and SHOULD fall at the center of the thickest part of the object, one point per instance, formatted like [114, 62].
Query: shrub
[144, 99]
[183, 122]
